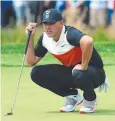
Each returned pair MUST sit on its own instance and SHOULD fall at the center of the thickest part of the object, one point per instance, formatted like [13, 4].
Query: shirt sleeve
[73, 36]
[40, 51]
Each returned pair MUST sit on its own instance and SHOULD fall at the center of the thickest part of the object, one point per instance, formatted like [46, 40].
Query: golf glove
[104, 86]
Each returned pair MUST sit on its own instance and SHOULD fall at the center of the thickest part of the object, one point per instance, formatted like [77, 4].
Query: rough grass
[12, 54]
[16, 35]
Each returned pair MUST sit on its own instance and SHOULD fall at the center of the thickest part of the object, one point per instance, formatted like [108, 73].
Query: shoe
[71, 103]
[88, 106]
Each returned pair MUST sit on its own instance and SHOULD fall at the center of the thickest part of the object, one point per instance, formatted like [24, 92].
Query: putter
[16, 92]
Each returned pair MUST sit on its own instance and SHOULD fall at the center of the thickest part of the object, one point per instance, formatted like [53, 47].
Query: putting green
[34, 103]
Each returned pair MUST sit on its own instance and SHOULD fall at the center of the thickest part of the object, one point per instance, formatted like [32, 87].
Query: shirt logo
[63, 45]
[47, 14]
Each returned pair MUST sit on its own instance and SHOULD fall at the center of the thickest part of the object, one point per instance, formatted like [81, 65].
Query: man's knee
[82, 79]
[35, 73]
[78, 74]
[79, 77]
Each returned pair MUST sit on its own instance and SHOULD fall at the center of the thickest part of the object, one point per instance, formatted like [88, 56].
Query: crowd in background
[92, 13]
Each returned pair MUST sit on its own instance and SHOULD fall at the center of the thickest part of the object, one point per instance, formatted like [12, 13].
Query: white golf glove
[104, 86]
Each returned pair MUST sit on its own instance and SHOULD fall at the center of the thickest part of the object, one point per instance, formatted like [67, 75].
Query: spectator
[60, 5]
[71, 12]
[113, 18]
[18, 11]
[7, 12]
[87, 12]
[110, 10]
[98, 13]
[41, 6]
[22, 11]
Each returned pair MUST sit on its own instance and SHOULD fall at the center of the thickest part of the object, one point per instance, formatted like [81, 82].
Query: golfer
[81, 68]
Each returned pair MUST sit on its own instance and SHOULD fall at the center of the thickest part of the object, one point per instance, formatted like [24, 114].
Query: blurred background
[79, 13]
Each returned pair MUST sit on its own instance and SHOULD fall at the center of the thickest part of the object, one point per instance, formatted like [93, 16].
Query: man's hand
[31, 27]
[79, 67]
[31, 58]
[78, 71]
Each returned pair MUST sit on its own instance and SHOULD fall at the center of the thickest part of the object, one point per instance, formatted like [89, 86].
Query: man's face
[52, 30]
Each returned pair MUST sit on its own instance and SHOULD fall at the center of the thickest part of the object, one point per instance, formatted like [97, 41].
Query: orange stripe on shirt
[70, 58]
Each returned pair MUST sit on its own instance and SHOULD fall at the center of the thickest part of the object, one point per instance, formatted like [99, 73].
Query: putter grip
[27, 41]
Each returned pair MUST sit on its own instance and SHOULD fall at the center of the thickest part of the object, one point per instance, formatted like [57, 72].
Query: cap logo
[47, 14]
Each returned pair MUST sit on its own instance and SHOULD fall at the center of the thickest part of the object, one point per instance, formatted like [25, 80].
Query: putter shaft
[16, 92]
[23, 60]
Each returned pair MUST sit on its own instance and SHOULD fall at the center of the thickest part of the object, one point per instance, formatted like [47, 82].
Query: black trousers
[58, 79]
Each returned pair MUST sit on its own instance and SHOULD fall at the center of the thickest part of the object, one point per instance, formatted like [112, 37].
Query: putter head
[7, 114]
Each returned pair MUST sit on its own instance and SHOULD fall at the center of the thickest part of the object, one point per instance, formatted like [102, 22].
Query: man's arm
[31, 59]
[86, 44]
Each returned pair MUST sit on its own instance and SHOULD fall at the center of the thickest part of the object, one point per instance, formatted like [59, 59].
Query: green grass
[34, 103]
[12, 54]
[107, 51]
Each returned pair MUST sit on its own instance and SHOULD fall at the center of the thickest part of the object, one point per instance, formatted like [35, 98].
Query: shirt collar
[62, 34]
